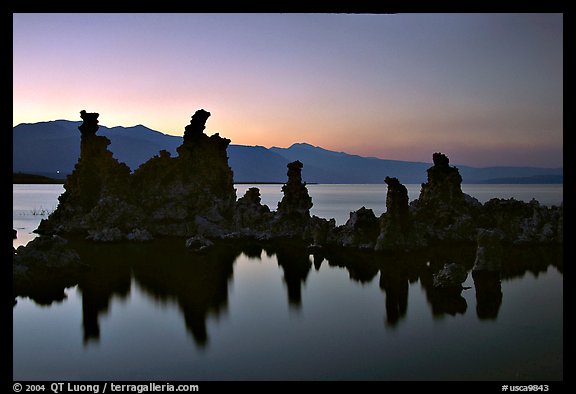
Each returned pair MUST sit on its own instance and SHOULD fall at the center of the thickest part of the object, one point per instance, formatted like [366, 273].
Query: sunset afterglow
[486, 89]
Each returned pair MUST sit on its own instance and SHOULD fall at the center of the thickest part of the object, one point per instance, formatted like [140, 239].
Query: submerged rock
[198, 243]
[46, 251]
[450, 277]
[43, 268]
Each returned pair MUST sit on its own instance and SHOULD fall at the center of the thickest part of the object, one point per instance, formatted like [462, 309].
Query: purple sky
[486, 89]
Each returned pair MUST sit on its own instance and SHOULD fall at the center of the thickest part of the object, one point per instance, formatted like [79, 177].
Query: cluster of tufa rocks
[166, 196]
[193, 196]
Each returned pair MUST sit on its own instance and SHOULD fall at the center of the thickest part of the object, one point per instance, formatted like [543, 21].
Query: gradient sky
[486, 89]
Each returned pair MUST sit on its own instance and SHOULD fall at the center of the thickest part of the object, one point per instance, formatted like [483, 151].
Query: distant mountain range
[52, 149]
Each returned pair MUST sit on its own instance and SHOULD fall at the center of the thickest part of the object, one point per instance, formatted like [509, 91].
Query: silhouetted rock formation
[192, 193]
[521, 222]
[442, 211]
[89, 125]
[250, 216]
[321, 232]
[293, 214]
[360, 230]
[193, 196]
[183, 196]
[296, 202]
[97, 182]
[443, 186]
[397, 201]
[396, 229]
[195, 129]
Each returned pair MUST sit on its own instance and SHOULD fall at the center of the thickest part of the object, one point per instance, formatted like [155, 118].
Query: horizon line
[297, 143]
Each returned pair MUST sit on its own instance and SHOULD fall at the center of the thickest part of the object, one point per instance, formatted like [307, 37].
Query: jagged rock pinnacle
[89, 125]
[196, 126]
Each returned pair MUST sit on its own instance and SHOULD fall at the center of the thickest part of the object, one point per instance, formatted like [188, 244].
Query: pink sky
[486, 89]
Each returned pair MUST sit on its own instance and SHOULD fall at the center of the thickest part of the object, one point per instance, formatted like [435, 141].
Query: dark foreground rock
[45, 252]
[44, 267]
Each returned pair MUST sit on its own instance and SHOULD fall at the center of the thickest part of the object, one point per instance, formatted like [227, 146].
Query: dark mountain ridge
[50, 148]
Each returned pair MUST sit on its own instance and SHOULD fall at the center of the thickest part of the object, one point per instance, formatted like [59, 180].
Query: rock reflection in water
[395, 285]
[444, 300]
[198, 283]
[110, 276]
[488, 294]
[296, 264]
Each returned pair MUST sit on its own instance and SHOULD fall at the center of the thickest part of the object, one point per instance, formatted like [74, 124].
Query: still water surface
[157, 312]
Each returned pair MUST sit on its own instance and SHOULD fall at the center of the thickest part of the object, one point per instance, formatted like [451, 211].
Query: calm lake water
[156, 311]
